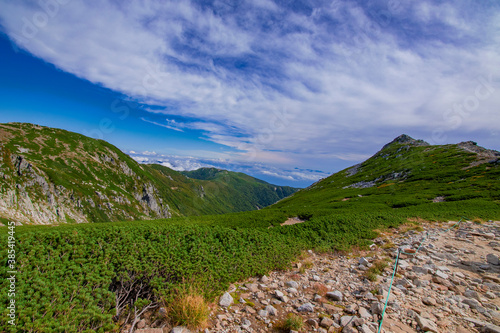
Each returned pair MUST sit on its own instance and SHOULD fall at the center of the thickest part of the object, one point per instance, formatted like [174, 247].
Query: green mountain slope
[50, 175]
[411, 174]
[223, 192]
[89, 266]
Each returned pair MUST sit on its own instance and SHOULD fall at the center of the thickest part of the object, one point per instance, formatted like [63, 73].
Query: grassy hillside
[50, 175]
[228, 192]
[82, 273]
[413, 177]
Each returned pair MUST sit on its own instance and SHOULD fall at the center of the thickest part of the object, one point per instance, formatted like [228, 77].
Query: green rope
[389, 292]
[381, 321]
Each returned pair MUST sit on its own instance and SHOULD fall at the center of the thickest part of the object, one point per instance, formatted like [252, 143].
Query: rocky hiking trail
[452, 284]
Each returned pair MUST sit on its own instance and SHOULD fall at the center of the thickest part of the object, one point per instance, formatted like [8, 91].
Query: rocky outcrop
[149, 201]
[406, 140]
[28, 195]
[472, 147]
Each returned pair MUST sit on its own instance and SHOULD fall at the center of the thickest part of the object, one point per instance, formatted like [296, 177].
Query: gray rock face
[22, 166]
[361, 184]
[126, 169]
[226, 300]
[148, 199]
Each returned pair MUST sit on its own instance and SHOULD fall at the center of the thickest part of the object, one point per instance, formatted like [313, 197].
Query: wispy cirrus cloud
[284, 82]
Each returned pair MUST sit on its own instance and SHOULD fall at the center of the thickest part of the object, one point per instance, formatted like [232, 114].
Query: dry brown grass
[478, 220]
[377, 269]
[307, 264]
[410, 226]
[189, 308]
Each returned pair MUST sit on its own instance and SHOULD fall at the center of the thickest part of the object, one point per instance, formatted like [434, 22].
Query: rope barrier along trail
[412, 253]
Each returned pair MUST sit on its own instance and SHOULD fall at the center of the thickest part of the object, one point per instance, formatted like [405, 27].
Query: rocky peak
[472, 147]
[406, 139]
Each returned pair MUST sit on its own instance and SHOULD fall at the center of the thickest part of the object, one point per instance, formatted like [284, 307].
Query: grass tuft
[376, 269]
[189, 308]
[293, 322]
[307, 264]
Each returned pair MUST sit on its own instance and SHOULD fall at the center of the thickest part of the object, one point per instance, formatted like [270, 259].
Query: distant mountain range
[50, 175]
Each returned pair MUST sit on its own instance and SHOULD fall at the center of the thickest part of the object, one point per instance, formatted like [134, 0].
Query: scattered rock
[141, 324]
[263, 313]
[346, 320]
[271, 310]
[434, 276]
[426, 325]
[429, 301]
[363, 261]
[377, 308]
[312, 322]
[335, 295]
[364, 313]
[226, 300]
[326, 322]
[180, 329]
[489, 235]
[492, 259]
[307, 307]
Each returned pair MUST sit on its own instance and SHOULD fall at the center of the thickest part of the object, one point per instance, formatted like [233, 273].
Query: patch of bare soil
[292, 220]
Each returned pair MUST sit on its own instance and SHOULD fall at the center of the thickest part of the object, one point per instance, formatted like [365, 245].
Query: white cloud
[188, 163]
[314, 83]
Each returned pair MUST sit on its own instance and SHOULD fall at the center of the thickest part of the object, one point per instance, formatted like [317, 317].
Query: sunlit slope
[50, 175]
[408, 173]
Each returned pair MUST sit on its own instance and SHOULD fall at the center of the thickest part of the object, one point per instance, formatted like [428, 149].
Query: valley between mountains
[52, 176]
[104, 244]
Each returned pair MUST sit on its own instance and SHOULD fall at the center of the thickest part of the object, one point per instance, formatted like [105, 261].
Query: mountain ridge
[50, 175]
[408, 172]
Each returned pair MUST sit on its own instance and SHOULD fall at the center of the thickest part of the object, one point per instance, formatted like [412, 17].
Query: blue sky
[287, 91]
